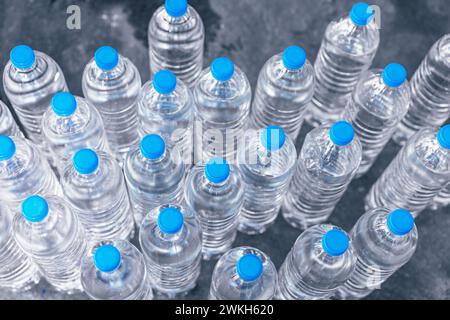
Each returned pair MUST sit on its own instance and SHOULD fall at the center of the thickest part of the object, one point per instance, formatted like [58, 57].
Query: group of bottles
[122, 156]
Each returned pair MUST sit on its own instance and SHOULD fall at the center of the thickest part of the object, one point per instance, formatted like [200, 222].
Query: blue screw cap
[400, 222]
[7, 148]
[107, 258]
[249, 267]
[217, 170]
[222, 69]
[164, 82]
[152, 146]
[170, 220]
[106, 58]
[64, 104]
[22, 57]
[85, 161]
[335, 242]
[35, 209]
[273, 138]
[443, 136]
[394, 75]
[176, 8]
[361, 14]
[342, 133]
[294, 57]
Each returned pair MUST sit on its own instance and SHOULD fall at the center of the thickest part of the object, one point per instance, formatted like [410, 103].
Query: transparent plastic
[282, 96]
[176, 44]
[430, 88]
[221, 112]
[130, 281]
[227, 285]
[66, 135]
[25, 174]
[347, 51]
[379, 253]
[152, 183]
[173, 260]
[30, 91]
[100, 200]
[217, 207]
[309, 273]
[375, 110]
[8, 125]
[323, 172]
[56, 244]
[17, 271]
[266, 176]
[169, 115]
[115, 93]
[416, 175]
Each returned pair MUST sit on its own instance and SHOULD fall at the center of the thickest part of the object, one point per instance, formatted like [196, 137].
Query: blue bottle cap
[35, 209]
[106, 58]
[170, 220]
[294, 57]
[217, 170]
[64, 104]
[394, 75]
[342, 133]
[107, 258]
[273, 138]
[85, 161]
[361, 14]
[164, 82]
[335, 242]
[176, 8]
[7, 148]
[22, 57]
[222, 69]
[400, 222]
[443, 136]
[249, 267]
[152, 146]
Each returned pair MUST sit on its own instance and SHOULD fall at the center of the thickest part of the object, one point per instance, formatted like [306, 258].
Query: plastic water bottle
[377, 105]
[115, 270]
[154, 175]
[321, 260]
[266, 164]
[383, 242]
[50, 233]
[430, 88]
[176, 38]
[442, 199]
[69, 125]
[416, 175]
[284, 90]
[244, 273]
[112, 83]
[215, 193]
[17, 271]
[8, 126]
[30, 80]
[24, 172]
[222, 98]
[166, 107]
[328, 161]
[95, 188]
[171, 242]
[348, 48]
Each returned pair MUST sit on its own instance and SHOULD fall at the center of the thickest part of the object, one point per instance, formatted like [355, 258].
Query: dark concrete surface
[250, 31]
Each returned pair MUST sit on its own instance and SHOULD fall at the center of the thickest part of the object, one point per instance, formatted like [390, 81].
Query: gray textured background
[250, 31]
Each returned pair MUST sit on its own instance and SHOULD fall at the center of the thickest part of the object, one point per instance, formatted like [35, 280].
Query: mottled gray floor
[250, 31]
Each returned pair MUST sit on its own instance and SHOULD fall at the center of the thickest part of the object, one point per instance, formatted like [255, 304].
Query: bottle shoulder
[120, 284]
